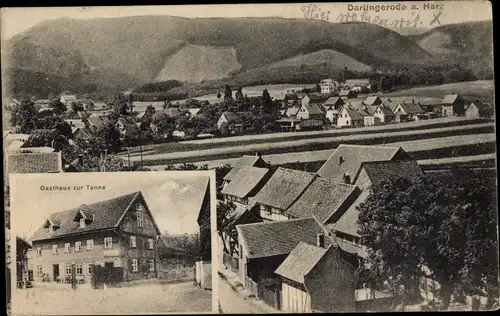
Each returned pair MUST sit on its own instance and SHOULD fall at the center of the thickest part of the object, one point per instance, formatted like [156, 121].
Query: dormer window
[82, 222]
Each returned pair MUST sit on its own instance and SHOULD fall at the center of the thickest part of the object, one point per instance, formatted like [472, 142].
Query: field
[483, 90]
[309, 144]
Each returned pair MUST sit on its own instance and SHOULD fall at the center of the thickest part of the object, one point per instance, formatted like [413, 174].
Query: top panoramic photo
[339, 125]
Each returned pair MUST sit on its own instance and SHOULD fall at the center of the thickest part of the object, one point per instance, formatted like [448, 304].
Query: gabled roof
[362, 108]
[98, 121]
[481, 106]
[386, 110]
[279, 238]
[334, 101]
[129, 125]
[283, 188]
[172, 111]
[108, 215]
[244, 161]
[353, 114]
[292, 111]
[343, 93]
[352, 158]
[378, 171]
[238, 213]
[167, 246]
[245, 181]
[76, 123]
[410, 108]
[312, 108]
[322, 199]
[348, 223]
[303, 258]
[34, 162]
[450, 98]
[194, 111]
[373, 100]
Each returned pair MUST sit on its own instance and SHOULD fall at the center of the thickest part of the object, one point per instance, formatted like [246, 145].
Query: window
[347, 122]
[134, 265]
[150, 243]
[79, 268]
[139, 218]
[151, 265]
[38, 251]
[78, 246]
[108, 242]
[82, 222]
[67, 247]
[89, 267]
[55, 249]
[39, 270]
[90, 244]
[133, 243]
[67, 269]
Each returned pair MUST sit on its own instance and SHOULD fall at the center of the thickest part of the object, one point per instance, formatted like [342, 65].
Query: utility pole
[128, 155]
[73, 276]
[141, 157]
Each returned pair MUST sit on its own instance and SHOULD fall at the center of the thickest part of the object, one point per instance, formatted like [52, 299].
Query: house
[34, 160]
[194, 111]
[119, 232]
[347, 94]
[292, 112]
[68, 99]
[204, 265]
[383, 114]
[332, 116]
[126, 127]
[170, 257]
[247, 182]
[172, 111]
[42, 103]
[453, 105]
[22, 270]
[244, 161]
[289, 120]
[44, 112]
[344, 163]
[315, 278]
[407, 111]
[349, 117]
[333, 103]
[10, 103]
[365, 111]
[94, 123]
[280, 192]
[264, 246]
[328, 86]
[478, 109]
[372, 100]
[310, 115]
[327, 201]
[235, 119]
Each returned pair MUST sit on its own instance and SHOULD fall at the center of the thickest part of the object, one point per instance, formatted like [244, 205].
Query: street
[232, 302]
[145, 298]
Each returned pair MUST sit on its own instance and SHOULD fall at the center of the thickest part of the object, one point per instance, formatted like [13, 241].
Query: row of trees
[442, 227]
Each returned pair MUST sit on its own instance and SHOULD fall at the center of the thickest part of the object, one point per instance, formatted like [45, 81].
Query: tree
[24, 116]
[224, 211]
[150, 110]
[55, 122]
[239, 95]
[77, 107]
[47, 138]
[228, 94]
[318, 88]
[442, 224]
[58, 107]
[108, 138]
[163, 125]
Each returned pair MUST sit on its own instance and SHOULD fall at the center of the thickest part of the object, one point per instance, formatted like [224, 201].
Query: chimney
[320, 240]
[347, 178]
[80, 159]
[257, 154]
[341, 160]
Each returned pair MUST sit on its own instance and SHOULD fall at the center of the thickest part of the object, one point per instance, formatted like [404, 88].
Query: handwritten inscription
[376, 19]
[87, 187]
[313, 12]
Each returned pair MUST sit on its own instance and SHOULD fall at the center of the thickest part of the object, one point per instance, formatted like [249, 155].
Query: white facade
[344, 119]
[328, 86]
[272, 214]
[295, 300]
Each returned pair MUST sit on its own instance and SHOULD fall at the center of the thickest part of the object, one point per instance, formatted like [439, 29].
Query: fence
[105, 275]
[231, 262]
[173, 273]
[269, 292]
[252, 286]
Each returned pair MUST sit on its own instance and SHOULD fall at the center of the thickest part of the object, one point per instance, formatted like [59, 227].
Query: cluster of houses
[295, 234]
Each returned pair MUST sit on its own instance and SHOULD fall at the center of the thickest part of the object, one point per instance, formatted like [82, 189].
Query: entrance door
[55, 271]
[109, 264]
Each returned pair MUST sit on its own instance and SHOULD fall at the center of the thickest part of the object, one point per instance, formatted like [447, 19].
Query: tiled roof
[292, 111]
[36, 162]
[362, 108]
[353, 114]
[352, 158]
[107, 213]
[98, 121]
[129, 125]
[300, 261]
[168, 246]
[481, 106]
[347, 224]
[238, 213]
[411, 108]
[321, 199]
[372, 99]
[333, 100]
[245, 181]
[450, 98]
[386, 110]
[76, 123]
[245, 161]
[283, 188]
[312, 108]
[194, 111]
[344, 93]
[279, 238]
[379, 171]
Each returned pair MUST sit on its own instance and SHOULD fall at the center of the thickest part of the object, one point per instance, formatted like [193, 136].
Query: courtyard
[61, 299]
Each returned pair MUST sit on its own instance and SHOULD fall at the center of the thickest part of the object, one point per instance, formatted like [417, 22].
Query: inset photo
[112, 243]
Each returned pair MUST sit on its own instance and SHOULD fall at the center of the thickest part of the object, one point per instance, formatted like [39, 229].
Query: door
[109, 264]
[55, 271]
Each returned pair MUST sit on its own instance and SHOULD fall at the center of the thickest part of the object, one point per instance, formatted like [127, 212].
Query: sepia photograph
[352, 148]
[112, 243]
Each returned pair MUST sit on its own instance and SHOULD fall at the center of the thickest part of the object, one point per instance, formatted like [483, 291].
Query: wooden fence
[231, 262]
[105, 275]
[252, 286]
[269, 292]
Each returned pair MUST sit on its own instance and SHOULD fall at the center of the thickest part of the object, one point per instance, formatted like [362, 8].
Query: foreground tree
[24, 116]
[444, 224]
[58, 107]
[47, 138]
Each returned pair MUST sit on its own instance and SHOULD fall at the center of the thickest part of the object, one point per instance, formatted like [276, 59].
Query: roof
[98, 121]
[283, 188]
[169, 246]
[278, 238]
[76, 123]
[322, 199]
[333, 100]
[481, 106]
[411, 108]
[194, 111]
[348, 223]
[352, 158]
[372, 99]
[353, 114]
[385, 109]
[16, 144]
[107, 215]
[245, 181]
[244, 161]
[131, 126]
[345, 92]
[300, 261]
[378, 171]
[172, 111]
[450, 98]
[68, 97]
[362, 108]
[238, 213]
[292, 111]
[36, 162]
[312, 108]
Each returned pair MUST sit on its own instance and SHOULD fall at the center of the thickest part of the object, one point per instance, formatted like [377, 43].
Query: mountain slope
[140, 47]
[468, 44]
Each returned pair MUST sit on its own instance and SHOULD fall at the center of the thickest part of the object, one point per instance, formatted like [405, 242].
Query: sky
[174, 198]
[16, 20]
